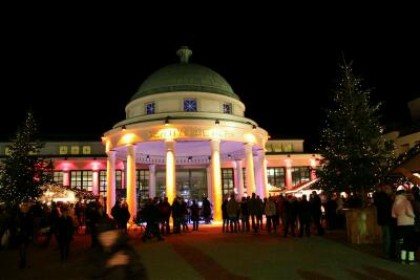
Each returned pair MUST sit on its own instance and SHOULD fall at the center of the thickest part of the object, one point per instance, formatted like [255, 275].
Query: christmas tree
[23, 172]
[351, 142]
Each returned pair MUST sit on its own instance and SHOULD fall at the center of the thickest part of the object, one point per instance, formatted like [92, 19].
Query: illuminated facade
[185, 134]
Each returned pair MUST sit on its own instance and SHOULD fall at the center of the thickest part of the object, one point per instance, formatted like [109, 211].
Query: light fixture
[254, 126]
[216, 122]
[147, 158]
[167, 120]
[123, 127]
[189, 159]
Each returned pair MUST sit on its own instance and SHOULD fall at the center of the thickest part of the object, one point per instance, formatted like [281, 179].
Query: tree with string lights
[23, 172]
[355, 158]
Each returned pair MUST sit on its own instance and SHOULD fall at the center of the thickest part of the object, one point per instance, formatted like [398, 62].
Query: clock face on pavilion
[190, 105]
[150, 108]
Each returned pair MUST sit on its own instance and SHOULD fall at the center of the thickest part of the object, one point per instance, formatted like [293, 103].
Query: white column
[239, 178]
[152, 180]
[261, 175]
[217, 180]
[110, 181]
[250, 178]
[170, 171]
[264, 171]
[95, 182]
[131, 181]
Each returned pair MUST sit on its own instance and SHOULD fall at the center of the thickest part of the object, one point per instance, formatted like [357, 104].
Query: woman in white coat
[403, 212]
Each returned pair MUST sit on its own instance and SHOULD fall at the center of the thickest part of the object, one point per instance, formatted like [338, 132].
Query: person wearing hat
[116, 258]
[402, 210]
[414, 198]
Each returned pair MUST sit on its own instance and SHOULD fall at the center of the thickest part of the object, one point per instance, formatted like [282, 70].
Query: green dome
[184, 76]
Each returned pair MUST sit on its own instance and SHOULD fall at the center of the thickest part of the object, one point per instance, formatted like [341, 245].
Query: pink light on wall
[312, 162]
[64, 165]
[288, 162]
[95, 165]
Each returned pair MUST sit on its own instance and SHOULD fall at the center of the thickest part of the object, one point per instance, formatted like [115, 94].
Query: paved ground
[211, 254]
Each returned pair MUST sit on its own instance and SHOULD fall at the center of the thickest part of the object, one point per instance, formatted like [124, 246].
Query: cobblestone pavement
[211, 254]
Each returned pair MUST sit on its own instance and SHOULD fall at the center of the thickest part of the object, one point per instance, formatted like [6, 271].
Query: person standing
[415, 203]
[270, 212]
[225, 216]
[195, 214]
[233, 209]
[165, 210]
[64, 231]
[383, 201]
[304, 214]
[24, 231]
[315, 202]
[124, 216]
[207, 210]
[403, 212]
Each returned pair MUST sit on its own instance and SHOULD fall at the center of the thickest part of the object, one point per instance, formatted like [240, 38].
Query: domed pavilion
[183, 125]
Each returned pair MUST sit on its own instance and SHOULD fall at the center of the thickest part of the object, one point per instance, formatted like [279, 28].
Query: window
[287, 148]
[227, 181]
[58, 177]
[103, 182]
[150, 108]
[75, 150]
[86, 150]
[227, 108]
[190, 183]
[63, 150]
[300, 175]
[143, 184]
[81, 180]
[276, 176]
[190, 105]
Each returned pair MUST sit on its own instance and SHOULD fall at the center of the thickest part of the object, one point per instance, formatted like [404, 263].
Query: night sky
[77, 70]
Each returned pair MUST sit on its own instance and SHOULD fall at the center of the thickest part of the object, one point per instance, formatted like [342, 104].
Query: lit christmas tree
[351, 143]
[23, 172]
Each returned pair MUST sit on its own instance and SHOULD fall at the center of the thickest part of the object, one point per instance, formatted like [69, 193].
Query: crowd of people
[398, 215]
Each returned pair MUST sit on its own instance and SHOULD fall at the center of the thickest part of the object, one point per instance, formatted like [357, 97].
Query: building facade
[185, 134]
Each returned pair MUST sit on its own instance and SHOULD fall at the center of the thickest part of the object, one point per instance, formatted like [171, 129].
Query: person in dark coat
[315, 202]
[206, 210]
[165, 210]
[304, 214]
[383, 200]
[24, 231]
[115, 257]
[64, 231]
[151, 215]
[195, 214]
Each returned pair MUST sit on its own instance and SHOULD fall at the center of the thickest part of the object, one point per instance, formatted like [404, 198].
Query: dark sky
[78, 69]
